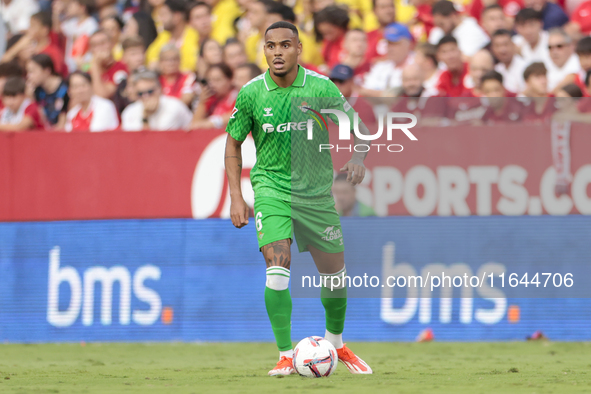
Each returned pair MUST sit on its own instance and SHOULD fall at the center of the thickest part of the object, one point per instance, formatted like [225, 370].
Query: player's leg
[318, 229]
[333, 294]
[273, 224]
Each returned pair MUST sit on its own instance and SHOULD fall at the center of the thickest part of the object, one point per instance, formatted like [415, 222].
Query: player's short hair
[447, 39]
[11, 69]
[223, 67]
[336, 15]
[492, 76]
[45, 62]
[526, 15]
[584, 46]
[44, 18]
[196, 4]
[429, 51]
[82, 74]
[254, 70]
[14, 86]
[283, 25]
[444, 8]
[502, 32]
[178, 6]
[536, 68]
[133, 42]
[573, 90]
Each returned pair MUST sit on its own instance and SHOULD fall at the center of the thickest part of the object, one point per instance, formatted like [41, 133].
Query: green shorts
[316, 225]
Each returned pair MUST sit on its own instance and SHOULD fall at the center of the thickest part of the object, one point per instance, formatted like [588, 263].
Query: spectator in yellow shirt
[225, 13]
[173, 14]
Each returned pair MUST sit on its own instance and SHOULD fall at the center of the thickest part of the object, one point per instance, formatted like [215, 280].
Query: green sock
[278, 303]
[335, 308]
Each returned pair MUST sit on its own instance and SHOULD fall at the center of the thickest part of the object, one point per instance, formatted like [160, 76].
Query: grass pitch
[519, 367]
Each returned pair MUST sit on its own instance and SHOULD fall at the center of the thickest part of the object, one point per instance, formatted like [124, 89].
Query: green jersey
[289, 165]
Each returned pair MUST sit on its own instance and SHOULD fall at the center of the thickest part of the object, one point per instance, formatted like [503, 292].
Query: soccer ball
[315, 357]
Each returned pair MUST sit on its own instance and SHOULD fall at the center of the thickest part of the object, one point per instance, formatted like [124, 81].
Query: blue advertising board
[203, 280]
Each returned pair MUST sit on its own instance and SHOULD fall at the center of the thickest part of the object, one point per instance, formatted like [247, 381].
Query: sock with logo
[278, 303]
[335, 306]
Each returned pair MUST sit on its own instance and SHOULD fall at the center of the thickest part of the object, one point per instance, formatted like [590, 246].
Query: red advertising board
[503, 170]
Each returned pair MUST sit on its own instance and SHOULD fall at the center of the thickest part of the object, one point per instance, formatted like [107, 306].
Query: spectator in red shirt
[175, 83]
[355, 47]
[377, 45]
[89, 111]
[20, 113]
[451, 81]
[217, 99]
[536, 80]
[343, 77]
[331, 25]
[106, 73]
[38, 40]
[502, 108]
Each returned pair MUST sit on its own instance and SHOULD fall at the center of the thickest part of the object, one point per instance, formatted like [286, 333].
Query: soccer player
[292, 188]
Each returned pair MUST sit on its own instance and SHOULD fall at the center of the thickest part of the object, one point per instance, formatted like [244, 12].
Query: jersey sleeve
[241, 121]
[337, 101]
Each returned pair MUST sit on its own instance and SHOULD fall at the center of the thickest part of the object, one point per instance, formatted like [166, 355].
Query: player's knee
[277, 278]
[335, 281]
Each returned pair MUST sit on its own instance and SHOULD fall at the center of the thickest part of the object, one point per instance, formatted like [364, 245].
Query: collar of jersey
[298, 83]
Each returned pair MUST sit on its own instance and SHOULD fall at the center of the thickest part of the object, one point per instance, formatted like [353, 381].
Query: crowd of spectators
[97, 65]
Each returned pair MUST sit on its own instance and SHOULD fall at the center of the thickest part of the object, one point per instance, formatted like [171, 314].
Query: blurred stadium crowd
[80, 65]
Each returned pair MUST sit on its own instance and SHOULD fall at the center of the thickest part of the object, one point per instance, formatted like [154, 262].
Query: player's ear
[299, 47]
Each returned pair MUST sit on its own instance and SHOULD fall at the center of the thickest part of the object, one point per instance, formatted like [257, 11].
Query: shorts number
[258, 221]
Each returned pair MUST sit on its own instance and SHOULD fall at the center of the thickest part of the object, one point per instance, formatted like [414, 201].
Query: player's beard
[282, 73]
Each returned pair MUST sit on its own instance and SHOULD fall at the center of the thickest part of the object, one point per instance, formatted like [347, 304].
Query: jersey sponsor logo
[331, 233]
[268, 112]
[269, 128]
[234, 111]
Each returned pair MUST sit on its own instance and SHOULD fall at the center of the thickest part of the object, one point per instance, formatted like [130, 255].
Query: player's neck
[286, 80]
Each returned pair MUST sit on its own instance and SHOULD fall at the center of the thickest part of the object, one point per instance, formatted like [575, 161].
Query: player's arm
[238, 127]
[233, 159]
[354, 167]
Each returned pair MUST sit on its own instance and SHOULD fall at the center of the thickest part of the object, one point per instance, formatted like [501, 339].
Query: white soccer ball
[315, 357]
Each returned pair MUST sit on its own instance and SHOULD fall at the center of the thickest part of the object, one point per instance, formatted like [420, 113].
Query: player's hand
[239, 212]
[355, 171]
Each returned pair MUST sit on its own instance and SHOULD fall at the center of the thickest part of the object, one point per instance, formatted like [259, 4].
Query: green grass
[514, 367]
